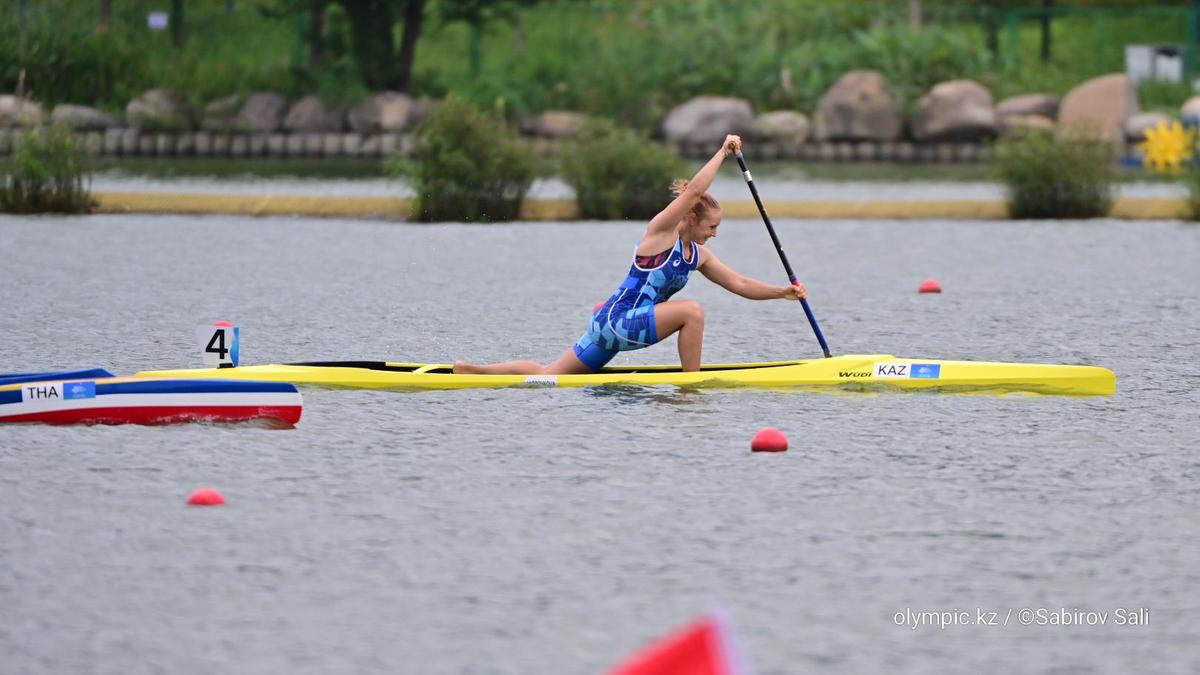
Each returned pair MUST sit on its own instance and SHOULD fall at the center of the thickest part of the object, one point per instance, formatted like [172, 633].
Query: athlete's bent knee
[693, 311]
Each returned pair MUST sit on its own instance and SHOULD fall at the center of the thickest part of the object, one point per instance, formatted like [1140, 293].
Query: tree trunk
[177, 22]
[519, 34]
[1047, 5]
[914, 14]
[105, 16]
[371, 23]
[316, 33]
[414, 12]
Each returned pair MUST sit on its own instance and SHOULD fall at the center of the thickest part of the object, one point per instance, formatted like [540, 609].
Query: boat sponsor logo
[79, 390]
[547, 380]
[926, 371]
[915, 371]
[36, 392]
[853, 373]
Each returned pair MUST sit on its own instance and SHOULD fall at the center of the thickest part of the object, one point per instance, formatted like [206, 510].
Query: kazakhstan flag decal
[926, 371]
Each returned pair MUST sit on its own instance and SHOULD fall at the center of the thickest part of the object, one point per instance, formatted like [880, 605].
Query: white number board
[219, 345]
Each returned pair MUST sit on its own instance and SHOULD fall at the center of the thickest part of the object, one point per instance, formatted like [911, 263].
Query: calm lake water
[557, 531]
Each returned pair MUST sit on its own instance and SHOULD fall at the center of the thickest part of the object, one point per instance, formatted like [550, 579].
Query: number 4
[216, 345]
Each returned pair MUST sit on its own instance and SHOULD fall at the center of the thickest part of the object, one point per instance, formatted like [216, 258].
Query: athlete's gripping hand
[797, 292]
[733, 145]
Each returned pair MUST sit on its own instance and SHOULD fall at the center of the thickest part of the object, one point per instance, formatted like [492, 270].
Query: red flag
[703, 648]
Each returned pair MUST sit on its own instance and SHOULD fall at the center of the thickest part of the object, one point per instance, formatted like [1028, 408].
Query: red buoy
[205, 497]
[222, 324]
[598, 306]
[929, 286]
[769, 440]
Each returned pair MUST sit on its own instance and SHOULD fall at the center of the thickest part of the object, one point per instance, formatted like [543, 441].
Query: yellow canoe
[871, 372]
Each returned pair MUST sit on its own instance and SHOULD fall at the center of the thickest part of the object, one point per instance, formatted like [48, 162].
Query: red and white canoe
[95, 397]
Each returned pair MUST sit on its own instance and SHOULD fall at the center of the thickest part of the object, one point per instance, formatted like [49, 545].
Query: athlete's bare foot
[462, 367]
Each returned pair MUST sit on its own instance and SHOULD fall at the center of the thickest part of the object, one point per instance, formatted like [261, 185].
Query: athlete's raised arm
[669, 217]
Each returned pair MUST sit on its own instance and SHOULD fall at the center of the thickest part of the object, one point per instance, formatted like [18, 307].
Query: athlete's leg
[506, 368]
[686, 317]
[567, 364]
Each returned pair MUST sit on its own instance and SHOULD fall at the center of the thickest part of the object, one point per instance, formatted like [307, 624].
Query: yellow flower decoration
[1167, 146]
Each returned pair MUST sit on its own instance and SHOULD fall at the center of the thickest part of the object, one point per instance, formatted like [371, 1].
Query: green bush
[1191, 179]
[49, 172]
[467, 165]
[617, 173]
[1049, 176]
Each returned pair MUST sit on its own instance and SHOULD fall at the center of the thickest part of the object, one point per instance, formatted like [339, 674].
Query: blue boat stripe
[193, 387]
[48, 376]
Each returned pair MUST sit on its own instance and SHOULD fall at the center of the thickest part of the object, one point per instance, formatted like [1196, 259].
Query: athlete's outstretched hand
[797, 292]
[733, 145]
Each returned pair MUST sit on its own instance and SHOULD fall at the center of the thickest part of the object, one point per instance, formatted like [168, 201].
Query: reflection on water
[631, 394]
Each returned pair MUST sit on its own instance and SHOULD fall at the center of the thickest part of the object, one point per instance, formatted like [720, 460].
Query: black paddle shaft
[812, 320]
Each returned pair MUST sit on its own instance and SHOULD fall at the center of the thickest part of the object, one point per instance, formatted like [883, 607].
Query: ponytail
[703, 206]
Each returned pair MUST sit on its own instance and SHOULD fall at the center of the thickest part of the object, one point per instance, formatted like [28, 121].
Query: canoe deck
[872, 372]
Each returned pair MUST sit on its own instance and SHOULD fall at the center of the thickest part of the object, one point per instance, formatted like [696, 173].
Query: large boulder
[221, 115]
[388, 111]
[958, 110]
[82, 118]
[262, 113]
[557, 124]
[1014, 125]
[1136, 126]
[1099, 107]
[310, 115]
[858, 107]
[19, 112]
[159, 110]
[706, 120]
[1190, 111]
[786, 127]
[1042, 105]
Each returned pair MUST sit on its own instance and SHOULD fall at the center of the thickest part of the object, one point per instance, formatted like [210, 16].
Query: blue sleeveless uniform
[626, 320]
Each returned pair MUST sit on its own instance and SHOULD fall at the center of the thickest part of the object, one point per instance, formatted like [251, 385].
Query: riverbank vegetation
[617, 173]
[468, 165]
[624, 60]
[1051, 176]
[1191, 180]
[48, 172]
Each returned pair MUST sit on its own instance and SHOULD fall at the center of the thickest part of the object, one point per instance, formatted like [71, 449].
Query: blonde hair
[703, 206]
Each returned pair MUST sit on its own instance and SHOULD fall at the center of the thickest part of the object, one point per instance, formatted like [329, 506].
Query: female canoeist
[640, 312]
